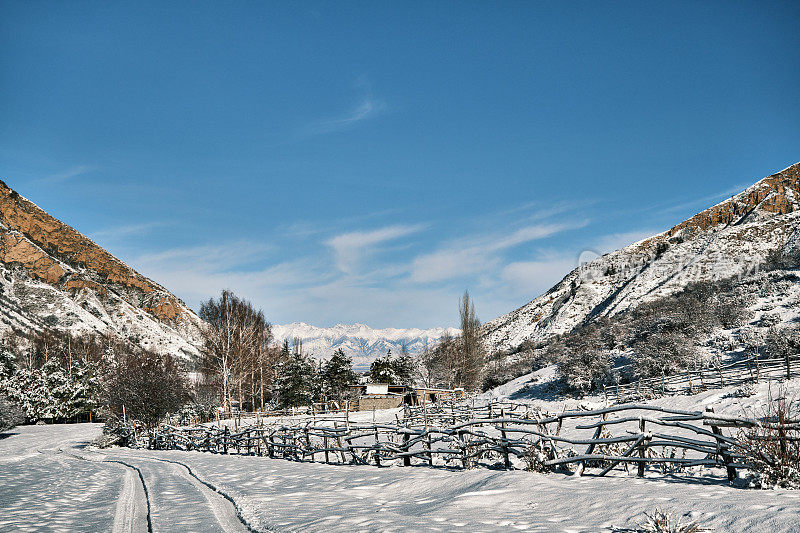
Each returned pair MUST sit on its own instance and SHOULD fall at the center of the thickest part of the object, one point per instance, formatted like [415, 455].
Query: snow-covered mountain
[358, 341]
[53, 276]
[732, 238]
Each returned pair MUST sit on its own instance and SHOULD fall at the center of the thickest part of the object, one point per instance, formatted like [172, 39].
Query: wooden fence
[491, 435]
[750, 370]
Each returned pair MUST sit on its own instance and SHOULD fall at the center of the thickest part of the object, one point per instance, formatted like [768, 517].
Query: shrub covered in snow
[46, 379]
[782, 342]
[10, 414]
[586, 370]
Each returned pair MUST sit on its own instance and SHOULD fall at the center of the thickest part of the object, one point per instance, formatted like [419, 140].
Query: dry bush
[662, 521]
[544, 450]
[536, 455]
[773, 447]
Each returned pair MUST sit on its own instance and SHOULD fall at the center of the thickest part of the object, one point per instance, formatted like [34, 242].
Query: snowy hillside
[53, 276]
[732, 238]
[358, 341]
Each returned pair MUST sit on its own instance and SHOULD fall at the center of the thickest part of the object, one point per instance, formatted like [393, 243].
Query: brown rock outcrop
[776, 194]
[14, 248]
[76, 285]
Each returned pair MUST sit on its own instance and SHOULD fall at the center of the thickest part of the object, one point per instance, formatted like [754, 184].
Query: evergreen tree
[393, 370]
[10, 413]
[7, 365]
[404, 369]
[296, 382]
[338, 375]
[382, 370]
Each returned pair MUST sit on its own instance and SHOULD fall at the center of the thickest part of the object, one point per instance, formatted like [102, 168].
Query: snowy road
[50, 482]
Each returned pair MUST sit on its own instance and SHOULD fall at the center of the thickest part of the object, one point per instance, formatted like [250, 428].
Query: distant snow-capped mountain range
[359, 341]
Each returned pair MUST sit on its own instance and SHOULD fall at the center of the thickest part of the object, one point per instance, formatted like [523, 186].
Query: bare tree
[236, 350]
[145, 386]
[456, 361]
[471, 354]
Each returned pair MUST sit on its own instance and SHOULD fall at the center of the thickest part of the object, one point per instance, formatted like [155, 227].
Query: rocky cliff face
[732, 238]
[51, 275]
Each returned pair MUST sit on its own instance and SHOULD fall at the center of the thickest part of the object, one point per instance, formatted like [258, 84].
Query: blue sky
[367, 162]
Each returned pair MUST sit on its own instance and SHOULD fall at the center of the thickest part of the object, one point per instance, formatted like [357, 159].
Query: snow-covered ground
[50, 481]
[535, 389]
[42, 488]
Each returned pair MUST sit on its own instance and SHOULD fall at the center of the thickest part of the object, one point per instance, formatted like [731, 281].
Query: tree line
[57, 376]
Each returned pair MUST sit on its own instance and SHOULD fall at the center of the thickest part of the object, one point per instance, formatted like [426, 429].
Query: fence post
[225, 434]
[429, 444]
[788, 368]
[308, 445]
[462, 443]
[642, 449]
[758, 369]
[504, 441]
[590, 448]
[406, 458]
[377, 446]
[722, 450]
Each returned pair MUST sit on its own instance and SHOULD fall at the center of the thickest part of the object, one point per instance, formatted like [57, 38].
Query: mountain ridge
[51, 275]
[728, 239]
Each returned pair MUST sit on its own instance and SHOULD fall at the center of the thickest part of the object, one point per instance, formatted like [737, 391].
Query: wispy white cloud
[535, 277]
[706, 201]
[206, 258]
[367, 107]
[67, 174]
[350, 248]
[531, 233]
[125, 231]
[480, 254]
[356, 280]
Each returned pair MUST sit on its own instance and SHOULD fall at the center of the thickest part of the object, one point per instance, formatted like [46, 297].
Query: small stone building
[379, 396]
[384, 396]
[423, 395]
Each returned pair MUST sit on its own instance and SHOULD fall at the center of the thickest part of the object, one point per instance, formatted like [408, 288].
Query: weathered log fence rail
[492, 435]
[749, 370]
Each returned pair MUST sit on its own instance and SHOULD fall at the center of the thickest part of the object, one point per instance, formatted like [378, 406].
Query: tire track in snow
[128, 513]
[128, 517]
[225, 509]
